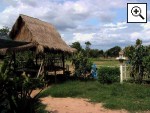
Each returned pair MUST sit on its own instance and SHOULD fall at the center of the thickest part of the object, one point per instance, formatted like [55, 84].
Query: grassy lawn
[131, 97]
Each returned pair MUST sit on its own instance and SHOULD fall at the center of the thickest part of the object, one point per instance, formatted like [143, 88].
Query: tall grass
[131, 97]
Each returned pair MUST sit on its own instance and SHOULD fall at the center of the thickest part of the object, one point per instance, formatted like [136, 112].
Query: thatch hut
[42, 37]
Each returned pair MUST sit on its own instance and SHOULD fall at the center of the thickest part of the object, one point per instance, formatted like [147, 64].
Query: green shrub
[15, 96]
[82, 64]
[108, 75]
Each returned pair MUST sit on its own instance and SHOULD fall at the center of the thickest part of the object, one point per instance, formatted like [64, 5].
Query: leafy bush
[15, 96]
[82, 64]
[138, 56]
[147, 64]
[108, 75]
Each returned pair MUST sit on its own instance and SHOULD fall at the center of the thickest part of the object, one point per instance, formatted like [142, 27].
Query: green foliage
[129, 51]
[4, 32]
[108, 75]
[87, 44]
[95, 53]
[131, 97]
[15, 96]
[87, 48]
[82, 64]
[4, 66]
[146, 62]
[88, 52]
[77, 46]
[113, 52]
[138, 56]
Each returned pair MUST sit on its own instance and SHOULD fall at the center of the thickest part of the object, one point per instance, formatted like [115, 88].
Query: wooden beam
[40, 69]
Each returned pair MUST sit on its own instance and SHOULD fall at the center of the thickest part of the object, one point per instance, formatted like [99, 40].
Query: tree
[77, 46]
[81, 64]
[138, 56]
[128, 51]
[4, 33]
[113, 52]
[87, 48]
[101, 53]
[87, 45]
[94, 53]
[138, 42]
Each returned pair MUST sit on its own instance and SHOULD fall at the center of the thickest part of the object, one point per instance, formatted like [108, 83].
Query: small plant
[108, 75]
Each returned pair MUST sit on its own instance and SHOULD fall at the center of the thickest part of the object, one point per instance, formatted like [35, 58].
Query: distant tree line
[95, 53]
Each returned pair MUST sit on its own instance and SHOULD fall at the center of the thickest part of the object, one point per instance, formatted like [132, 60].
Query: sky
[102, 22]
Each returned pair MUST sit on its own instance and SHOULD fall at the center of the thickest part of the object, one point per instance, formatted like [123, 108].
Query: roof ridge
[21, 15]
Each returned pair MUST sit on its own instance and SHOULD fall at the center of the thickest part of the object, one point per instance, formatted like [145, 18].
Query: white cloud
[144, 34]
[115, 27]
[83, 37]
[135, 35]
[146, 26]
[66, 14]
[70, 18]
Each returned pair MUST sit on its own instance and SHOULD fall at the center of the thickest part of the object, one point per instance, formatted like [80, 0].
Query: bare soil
[75, 105]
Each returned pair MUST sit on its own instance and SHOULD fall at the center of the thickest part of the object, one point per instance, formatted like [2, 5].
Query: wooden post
[40, 69]
[125, 71]
[121, 73]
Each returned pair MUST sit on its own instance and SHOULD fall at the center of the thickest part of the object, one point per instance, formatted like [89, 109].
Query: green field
[106, 62]
[131, 97]
[101, 62]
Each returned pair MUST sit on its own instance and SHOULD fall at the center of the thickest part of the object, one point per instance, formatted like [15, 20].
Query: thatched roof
[41, 34]
[10, 45]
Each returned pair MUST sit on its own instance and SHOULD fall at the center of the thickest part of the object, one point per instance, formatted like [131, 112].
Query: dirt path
[74, 105]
